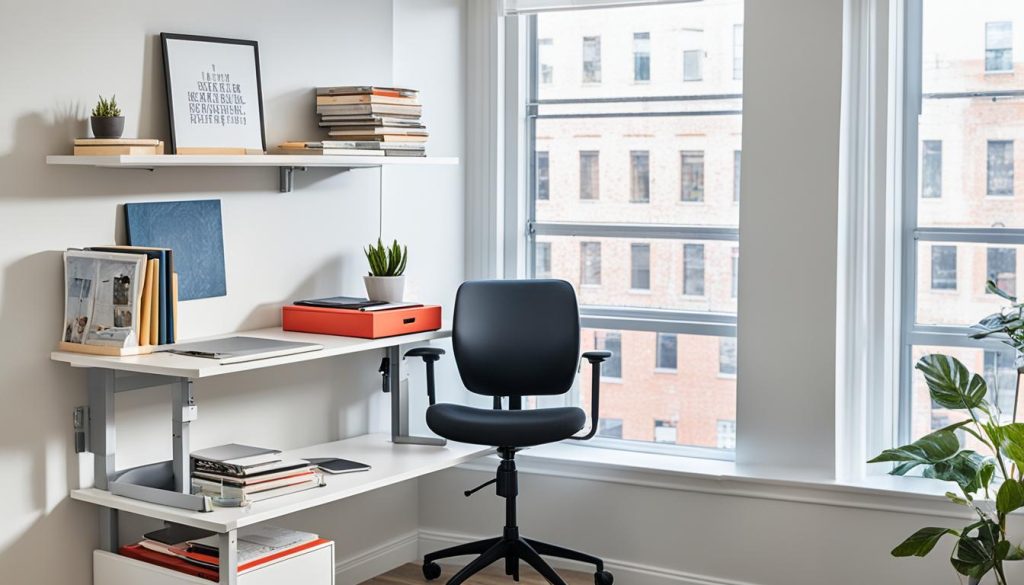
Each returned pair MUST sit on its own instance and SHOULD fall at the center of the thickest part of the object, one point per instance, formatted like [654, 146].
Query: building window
[590, 263]
[1001, 376]
[693, 269]
[642, 56]
[590, 173]
[543, 259]
[544, 53]
[667, 355]
[640, 266]
[1000, 167]
[611, 367]
[610, 428]
[591, 59]
[664, 431]
[693, 65]
[737, 51]
[640, 176]
[543, 180]
[726, 432]
[931, 169]
[737, 160]
[727, 356]
[943, 267]
[692, 175]
[1001, 267]
[735, 283]
[998, 46]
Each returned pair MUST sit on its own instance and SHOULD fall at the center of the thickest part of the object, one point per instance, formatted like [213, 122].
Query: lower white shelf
[313, 567]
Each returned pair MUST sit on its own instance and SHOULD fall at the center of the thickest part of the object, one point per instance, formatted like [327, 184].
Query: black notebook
[340, 303]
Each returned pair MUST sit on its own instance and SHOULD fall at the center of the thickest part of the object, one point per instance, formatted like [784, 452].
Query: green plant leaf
[1011, 442]
[931, 448]
[992, 288]
[952, 497]
[922, 542]
[950, 384]
[974, 557]
[966, 468]
[1010, 496]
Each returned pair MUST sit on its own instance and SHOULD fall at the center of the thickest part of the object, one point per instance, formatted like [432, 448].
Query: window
[943, 267]
[590, 263]
[692, 175]
[640, 176]
[590, 171]
[693, 65]
[737, 160]
[667, 354]
[543, 259]
[737, 51]
[610, 428]
[727, 356]
[642, 56]
[693, 269]
[543, 182]
[611, 367]
[664, 431]
[1000, 167]
[624, 227]
[640, 267]
[1000, 372]
[544, 52]
[998, 46]
[931, 169]
[591, 59]
[735, 282]
[1001, 267]
[726, 433]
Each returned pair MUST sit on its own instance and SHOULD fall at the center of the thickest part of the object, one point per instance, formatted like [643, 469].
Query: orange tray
[365, 324]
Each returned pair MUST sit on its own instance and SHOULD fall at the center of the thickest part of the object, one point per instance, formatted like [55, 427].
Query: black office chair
[513, 338]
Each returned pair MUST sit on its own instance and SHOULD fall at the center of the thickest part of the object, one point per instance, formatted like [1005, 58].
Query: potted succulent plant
[996, 470]
[386, 280]
[107, 121]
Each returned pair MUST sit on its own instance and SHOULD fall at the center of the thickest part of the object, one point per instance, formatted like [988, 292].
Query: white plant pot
[385, 288]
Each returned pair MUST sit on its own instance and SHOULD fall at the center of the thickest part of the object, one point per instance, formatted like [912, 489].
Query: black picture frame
[164, 37]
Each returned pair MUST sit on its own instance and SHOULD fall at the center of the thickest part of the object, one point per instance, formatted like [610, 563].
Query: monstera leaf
[950, 384]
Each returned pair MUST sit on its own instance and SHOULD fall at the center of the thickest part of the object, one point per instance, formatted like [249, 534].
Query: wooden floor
[411, 575]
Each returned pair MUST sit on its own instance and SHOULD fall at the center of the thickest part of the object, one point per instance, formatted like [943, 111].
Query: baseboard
[624, 571]
[377, 560]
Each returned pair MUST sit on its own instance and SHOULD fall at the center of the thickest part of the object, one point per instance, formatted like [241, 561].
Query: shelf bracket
[287, 177]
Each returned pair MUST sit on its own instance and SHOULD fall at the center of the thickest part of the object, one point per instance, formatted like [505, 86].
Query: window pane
[590, 263]
[931, 168]
[1000, 167]
[591, 59]
[610, 428]
[727, 356]
[590, 172]
[544, 55]
[665, 431]
[642, 56]
[543, 259]
[735, 272]
[951, 281]
[998, 46]
[692, 183]
[640, 172]
[543, 184]
[694, 397]
[667, 356]
[610, 341]
[737, 159]
[726, 430]
[693, 66]
[640, 267]
[693, 269]
[737, 51]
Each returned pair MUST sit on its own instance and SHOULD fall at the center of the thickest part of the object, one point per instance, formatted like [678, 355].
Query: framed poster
[214, 96]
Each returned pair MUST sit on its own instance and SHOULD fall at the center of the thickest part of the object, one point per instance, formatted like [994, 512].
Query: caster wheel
[603, 578]
[432, 571]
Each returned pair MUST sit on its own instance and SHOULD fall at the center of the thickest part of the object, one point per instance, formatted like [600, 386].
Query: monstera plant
[996, 469]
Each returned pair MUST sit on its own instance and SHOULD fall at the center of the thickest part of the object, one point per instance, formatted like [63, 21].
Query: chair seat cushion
[504, 428]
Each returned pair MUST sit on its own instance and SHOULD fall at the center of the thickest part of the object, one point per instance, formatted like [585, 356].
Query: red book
[137, 552]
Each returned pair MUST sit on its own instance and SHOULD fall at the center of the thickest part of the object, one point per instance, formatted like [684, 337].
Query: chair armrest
[595, 358]
[429, 356]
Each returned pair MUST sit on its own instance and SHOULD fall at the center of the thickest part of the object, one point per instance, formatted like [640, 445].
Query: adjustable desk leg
[400, 404]
[183, 412]
[103, 441]
[228, 546]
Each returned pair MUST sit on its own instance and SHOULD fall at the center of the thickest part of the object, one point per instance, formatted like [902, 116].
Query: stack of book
[195, 552]
[117, 146]
[249, 474]
[368, 119]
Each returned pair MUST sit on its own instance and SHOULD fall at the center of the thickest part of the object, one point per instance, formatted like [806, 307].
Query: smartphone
[335, 466]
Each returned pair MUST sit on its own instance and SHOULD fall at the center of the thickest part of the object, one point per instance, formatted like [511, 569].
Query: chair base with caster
[510, 547]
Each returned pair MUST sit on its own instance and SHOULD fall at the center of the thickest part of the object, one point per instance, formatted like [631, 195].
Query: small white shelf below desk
[286, 163]
[390, 464]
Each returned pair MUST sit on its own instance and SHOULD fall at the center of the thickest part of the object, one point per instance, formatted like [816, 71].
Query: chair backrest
[516, 337]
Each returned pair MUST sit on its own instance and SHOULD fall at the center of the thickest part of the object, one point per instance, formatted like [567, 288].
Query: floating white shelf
[286, 163]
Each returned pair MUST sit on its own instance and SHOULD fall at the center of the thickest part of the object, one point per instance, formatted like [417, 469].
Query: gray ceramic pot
[108, 127]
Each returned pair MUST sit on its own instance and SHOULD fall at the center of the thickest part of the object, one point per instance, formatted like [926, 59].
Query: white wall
[55, 57]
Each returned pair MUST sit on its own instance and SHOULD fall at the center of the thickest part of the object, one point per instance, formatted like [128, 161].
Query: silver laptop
[233, 350]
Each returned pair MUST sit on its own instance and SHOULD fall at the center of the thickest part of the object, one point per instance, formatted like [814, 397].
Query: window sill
[887, 493]
[671, 371]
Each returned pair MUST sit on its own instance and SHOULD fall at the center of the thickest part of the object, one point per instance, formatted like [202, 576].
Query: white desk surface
[169, 364]
[390, 464]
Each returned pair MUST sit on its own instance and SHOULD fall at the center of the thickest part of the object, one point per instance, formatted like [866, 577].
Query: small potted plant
[107, 121]
[386, 280]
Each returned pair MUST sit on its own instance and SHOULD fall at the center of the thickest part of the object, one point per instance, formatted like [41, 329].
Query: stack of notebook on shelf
[196, 552]
[242, 474]
[117, 146]
[365, 119]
